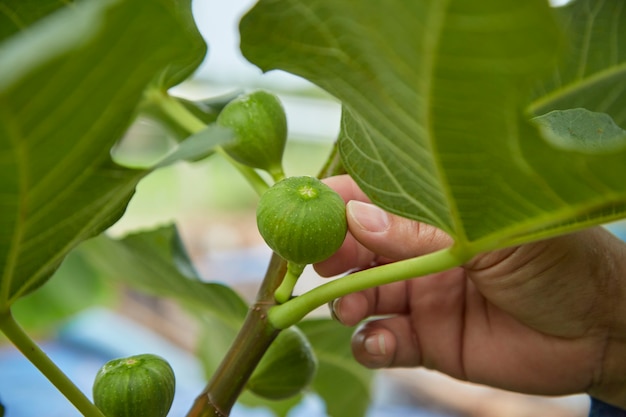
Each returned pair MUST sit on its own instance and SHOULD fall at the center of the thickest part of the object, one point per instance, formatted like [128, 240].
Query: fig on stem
[287, 367]
[136, 386]
[260, 125]
[302, 219]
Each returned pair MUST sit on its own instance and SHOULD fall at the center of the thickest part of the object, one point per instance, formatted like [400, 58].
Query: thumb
[392, 236]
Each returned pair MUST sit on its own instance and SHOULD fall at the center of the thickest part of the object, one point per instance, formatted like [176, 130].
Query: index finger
[351, 254]
[346, 187]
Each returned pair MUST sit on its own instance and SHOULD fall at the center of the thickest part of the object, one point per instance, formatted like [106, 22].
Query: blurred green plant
[496, 121]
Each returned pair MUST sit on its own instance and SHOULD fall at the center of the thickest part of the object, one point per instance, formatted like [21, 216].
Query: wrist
[610, 386]
[610, 383]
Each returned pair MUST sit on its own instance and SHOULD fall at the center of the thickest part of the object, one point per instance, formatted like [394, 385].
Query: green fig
[302, 219]
[260, 125]
[287, 367]
[136, 386]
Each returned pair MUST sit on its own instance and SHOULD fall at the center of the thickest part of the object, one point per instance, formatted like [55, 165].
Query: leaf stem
[46, 366]
[333, 165]
[294, 310]
[179, 114]
[175, 110]
[254, 179]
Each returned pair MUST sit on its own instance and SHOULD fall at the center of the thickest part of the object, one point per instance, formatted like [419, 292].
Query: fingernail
[369, 217]
[375, 344]
[333, 305]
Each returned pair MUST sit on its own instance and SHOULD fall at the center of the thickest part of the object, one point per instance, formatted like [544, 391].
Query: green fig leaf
[342, 383]
[65, 100]
[151, 262]
[435, 122]
[198, 146]
[592, 73]
[178, 70]
[18, 15]
[280, 408]
[215, 338]
[75, 286]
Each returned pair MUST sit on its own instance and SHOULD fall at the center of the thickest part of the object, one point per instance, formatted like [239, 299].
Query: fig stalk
[46, 366]
[284, 291]
[255, 180]
[174, 109]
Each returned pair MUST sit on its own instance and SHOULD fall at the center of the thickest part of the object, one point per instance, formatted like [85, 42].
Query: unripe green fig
[260, 125]
[136, 386]
[287, 367]
[302, 219]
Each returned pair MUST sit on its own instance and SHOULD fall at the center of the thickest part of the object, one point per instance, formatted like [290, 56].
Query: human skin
[543, 318]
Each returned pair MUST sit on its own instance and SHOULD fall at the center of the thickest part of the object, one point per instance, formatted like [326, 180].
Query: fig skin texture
[260, 125]
[287, 368]
[302, 219]
[136, 386]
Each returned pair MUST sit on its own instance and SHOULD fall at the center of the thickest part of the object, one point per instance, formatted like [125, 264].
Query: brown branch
[253, 339]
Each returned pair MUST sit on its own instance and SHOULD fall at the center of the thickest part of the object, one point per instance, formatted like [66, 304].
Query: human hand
[543, 318]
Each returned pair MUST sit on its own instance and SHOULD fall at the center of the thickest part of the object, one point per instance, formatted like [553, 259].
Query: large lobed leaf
[69, 86]
[179, 68]
[435, 105]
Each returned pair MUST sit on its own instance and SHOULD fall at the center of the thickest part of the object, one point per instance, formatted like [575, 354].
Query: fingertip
[392, 236]
[350, 309]
[367, 217]
[374, 347]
